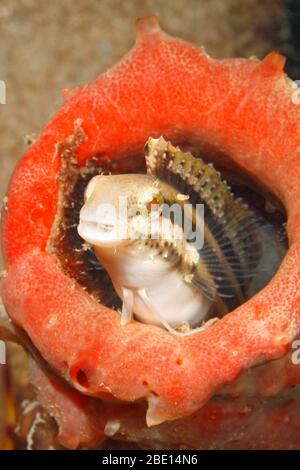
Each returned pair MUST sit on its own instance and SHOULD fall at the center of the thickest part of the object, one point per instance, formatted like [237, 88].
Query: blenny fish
[163, 272]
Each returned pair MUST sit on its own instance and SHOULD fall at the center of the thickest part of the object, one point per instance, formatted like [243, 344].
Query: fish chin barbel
[157, 265]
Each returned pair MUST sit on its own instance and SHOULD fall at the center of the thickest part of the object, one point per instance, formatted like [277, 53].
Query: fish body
[158, 270]
[144, 266]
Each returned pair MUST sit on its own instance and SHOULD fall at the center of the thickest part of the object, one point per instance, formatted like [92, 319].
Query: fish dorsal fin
[231, 248]
[192, 175]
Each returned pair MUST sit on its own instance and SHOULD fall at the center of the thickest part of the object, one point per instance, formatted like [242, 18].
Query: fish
[170, 270]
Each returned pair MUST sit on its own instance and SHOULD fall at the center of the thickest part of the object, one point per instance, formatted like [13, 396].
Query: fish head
[117, 208]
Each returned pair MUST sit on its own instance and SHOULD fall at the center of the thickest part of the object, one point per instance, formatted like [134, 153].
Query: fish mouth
[77, 257]
[94, 224]
[88, 229]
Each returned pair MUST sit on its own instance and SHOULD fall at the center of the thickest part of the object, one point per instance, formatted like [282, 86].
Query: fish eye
[157, 200]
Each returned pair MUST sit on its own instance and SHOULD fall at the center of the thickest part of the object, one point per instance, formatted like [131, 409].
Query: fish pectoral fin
[127, 306]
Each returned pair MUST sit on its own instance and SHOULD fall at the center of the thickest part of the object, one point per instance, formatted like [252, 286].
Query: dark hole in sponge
[82, 379]
[78, 260]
